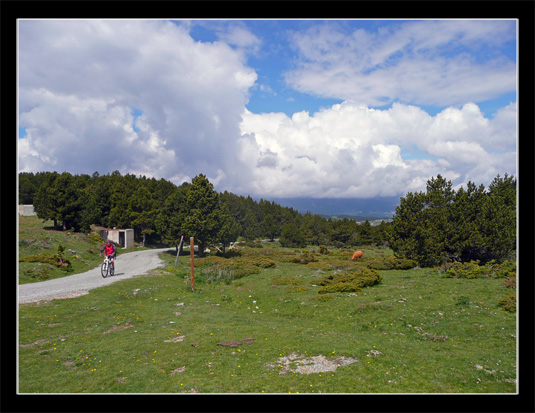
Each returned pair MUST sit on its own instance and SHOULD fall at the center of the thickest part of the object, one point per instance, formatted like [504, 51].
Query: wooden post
[179, 249]
[192, 252]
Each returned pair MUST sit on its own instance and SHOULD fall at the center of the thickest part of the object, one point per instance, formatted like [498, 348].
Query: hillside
[39, 244]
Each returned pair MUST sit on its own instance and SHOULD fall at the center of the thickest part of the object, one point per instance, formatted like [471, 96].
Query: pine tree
[229, 229]
[270, 227]
[140, 209]
[202, 212]
[170, 218]
[443, 225]
[292, 237]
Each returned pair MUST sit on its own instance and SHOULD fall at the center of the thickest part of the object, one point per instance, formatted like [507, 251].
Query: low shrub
[52, 259]
[390, 263]
[297, 288]
[40, 273]
[349, 282]
[331, 264]
[95, 238]
[219, 268]
[264, 262]
[323, 298]
[508, 303]
[510, 282]
[472, 269]
[304, 258]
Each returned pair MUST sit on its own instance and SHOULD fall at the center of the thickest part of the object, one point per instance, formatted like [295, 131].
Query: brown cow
[356, 255]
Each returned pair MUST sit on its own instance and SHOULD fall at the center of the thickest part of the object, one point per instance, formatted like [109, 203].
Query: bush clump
[508, 303]
[472, 269]
[52, 259]
[349, 282]
[215, 267]
[286, 281]
[304, 258]
[252, 244]
[264, 262]
[390, 263]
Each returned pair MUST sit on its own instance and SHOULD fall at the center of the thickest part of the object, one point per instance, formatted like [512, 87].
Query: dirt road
[127, 266]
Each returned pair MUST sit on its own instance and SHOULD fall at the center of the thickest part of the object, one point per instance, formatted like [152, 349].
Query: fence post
[178, 252]
[192, 252]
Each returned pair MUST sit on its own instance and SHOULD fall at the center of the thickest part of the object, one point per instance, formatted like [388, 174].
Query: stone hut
[122, 237]
[26, 210]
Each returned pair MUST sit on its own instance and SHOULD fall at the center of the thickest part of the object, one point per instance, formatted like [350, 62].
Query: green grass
[432, 334]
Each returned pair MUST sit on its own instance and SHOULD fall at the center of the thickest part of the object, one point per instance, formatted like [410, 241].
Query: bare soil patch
[118, 328]
[299, 363]
[236, 343]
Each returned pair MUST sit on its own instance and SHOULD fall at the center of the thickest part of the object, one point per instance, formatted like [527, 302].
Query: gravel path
[127, 266]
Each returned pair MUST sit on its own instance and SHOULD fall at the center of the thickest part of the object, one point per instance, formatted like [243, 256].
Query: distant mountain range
[355, 208]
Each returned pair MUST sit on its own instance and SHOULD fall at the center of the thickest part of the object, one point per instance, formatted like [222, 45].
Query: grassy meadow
[255, 318]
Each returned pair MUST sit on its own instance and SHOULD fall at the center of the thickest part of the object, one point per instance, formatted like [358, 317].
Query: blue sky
[278, 56]
[272, 108]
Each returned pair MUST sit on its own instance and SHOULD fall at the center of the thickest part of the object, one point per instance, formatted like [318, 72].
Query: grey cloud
[267, 159]
[80, 80]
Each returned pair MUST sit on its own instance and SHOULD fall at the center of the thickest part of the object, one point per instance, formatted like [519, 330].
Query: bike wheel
[104, 269]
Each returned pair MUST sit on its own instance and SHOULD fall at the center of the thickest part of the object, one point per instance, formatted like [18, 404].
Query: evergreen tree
[467, 241]
[202, 212]
[498, 219]
[270, 227]
[344, 232]
[381, 234]
[141, 212]
[314, 229]
[44, 200]
[292, 237]
[66, 201]
[365, 233]
[229, 229]
[170, 218]
[90, 212]
[27, 188]
[250, 225]
[443, 225]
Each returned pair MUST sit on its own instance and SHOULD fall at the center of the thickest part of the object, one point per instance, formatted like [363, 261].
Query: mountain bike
[107, 267]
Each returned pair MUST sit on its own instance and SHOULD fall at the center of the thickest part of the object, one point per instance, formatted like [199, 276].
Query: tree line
[443, 225]
[432, 227]
[161, 212]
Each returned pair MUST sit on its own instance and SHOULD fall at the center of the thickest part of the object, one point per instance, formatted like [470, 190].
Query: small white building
[26, 211]
[122, 237]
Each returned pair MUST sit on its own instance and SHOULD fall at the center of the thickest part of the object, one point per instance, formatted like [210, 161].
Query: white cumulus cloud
[351, 150]
[81, 80]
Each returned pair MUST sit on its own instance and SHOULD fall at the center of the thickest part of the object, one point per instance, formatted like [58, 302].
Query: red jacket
[110, 249]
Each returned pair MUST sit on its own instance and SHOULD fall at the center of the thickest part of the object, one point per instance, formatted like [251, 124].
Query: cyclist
[110, 250]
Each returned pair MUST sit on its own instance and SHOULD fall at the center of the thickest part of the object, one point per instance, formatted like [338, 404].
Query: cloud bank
[80, 82]
[144, 97]
[351, 150]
